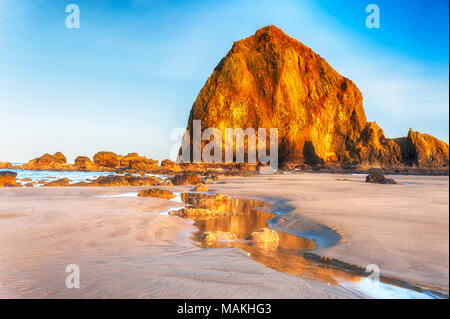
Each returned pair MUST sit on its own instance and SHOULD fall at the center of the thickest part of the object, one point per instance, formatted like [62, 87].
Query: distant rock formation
[130, 161]
[4, 165]
[107, 159]
[103, 161]
[47, 162]
[84, 163]
[423, 150]
[134, 161]
[270, 80]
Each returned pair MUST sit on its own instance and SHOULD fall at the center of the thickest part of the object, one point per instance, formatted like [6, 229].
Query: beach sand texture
[126, 249]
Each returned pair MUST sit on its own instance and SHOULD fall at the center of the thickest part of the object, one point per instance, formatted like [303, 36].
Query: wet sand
[403, 228]
[126, 249]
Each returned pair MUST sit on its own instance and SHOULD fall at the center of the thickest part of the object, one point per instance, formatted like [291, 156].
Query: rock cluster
[154, 192]
[202, 213]
[103, 161]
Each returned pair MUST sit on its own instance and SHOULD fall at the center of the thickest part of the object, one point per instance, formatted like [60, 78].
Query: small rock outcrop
[159, 193]
[85, 163]
[59, 182]
[4, 165]
[56, 161]
[107, 159]
[210, 238]
[186, 179]
[8, 179]
[376, 176]
[135, 161]
[201, 188]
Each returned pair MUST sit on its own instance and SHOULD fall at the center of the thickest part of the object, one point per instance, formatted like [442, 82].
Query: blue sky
[129, 75]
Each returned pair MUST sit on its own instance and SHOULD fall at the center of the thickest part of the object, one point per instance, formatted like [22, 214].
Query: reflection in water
[249, 220]
[287, 257]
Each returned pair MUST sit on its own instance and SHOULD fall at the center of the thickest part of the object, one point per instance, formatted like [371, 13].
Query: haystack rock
[270, 80]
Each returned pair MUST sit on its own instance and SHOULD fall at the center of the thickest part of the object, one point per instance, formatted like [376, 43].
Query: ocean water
[380, 290]
[75, 177]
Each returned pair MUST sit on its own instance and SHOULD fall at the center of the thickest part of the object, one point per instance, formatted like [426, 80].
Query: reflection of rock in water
[238, 216]
[265, 238]
[238, 223]
[211, 238]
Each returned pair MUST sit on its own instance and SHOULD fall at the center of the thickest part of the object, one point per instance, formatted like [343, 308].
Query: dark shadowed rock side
[270, 80]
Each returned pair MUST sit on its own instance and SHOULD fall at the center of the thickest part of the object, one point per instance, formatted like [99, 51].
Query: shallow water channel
[293, 253]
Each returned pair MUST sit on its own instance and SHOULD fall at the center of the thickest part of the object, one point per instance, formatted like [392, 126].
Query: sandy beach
[126, 248]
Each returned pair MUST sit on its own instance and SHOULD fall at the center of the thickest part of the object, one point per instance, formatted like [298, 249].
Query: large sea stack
[270, 80]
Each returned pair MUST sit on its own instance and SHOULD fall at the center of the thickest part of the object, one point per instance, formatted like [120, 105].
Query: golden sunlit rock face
[270, 80]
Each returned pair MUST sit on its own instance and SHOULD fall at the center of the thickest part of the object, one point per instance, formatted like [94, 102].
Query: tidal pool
[290, 256]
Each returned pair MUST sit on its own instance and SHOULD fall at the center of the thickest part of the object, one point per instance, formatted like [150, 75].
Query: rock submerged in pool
[202, 213]
[8, 179]
[210, 238]
[265, 236]
[376, 176]
[159, 193]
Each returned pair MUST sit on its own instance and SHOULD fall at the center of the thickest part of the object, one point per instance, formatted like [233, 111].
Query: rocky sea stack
[270, 80]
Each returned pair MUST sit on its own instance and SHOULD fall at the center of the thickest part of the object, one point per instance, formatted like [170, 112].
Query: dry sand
[126, 249]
